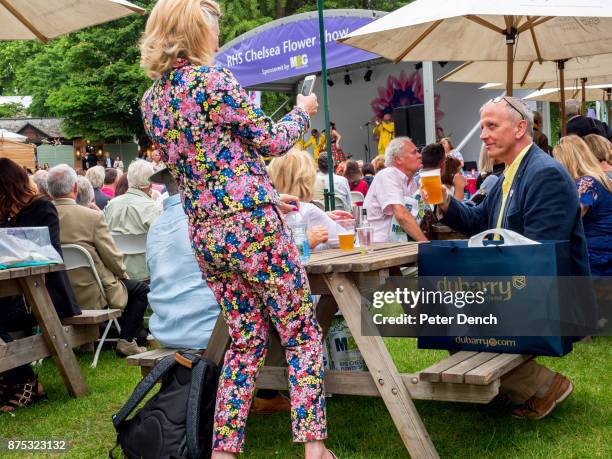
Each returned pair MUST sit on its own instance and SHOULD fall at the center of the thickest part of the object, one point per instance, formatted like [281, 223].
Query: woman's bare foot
[222, 455]
[317, 450]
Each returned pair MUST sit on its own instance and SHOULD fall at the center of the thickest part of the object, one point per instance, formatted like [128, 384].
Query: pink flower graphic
[399, 92]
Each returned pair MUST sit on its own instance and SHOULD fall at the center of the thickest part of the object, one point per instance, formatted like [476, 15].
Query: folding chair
[339, 204]
[357, 196]
[131, 244]
[319, 204]
[75, 257]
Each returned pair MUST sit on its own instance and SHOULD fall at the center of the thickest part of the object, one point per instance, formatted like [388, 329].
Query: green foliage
[555, 124]
[93, 79]
[359, 427]
[12, 110]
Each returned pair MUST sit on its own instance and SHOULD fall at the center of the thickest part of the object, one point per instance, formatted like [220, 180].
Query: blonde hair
[574, 154]
[95, 175]
[294, 173]
[378, 164]
[600, 146]
[178, 29]
[485, 162]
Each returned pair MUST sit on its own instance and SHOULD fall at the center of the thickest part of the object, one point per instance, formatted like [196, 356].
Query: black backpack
[177, 422]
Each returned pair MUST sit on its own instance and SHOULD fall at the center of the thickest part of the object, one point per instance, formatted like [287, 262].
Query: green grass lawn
[359, 427]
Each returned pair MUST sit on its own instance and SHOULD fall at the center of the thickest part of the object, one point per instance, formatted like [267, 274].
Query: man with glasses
[536, 198]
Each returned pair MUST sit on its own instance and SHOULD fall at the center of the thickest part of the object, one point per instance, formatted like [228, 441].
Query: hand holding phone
[308, 103]
[308, 85]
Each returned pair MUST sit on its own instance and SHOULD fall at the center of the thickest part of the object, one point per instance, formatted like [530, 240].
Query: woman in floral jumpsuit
[212, 137]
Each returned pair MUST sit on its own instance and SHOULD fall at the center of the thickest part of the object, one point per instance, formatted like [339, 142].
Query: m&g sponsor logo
[298, 61]
[487, 342]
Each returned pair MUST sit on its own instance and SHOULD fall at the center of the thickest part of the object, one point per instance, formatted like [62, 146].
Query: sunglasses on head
[505, 99]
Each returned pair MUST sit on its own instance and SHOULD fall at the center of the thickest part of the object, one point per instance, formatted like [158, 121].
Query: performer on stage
[384, 131]
[314, 142]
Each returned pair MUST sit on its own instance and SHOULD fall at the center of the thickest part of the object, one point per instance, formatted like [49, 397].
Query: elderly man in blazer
[536, 198]
[88, 229]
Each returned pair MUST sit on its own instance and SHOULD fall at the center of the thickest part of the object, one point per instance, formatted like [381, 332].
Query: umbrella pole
[509, 67]
[330, 201]
[583, 108]
[609, 103]
[561, 67]
[510, 34]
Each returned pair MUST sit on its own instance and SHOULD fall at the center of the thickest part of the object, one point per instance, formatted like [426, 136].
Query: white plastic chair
[75, 257]
[131, 244]
[357, 196]
[319, 204]
[339, 204]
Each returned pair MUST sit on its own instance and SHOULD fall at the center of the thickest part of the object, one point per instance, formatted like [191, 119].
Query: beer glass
[346, 234]
[432, 185]
[366, 237]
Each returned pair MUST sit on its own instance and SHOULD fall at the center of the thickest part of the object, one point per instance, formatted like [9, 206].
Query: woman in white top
[295, 174]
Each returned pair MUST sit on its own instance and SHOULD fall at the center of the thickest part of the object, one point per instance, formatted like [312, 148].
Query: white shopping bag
[509, 237]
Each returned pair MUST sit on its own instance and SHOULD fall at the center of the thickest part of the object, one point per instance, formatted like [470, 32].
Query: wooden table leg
[218, 342]
[382, 369]
[38, 298]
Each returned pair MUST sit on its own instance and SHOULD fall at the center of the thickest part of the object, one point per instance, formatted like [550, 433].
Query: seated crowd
[92, 210]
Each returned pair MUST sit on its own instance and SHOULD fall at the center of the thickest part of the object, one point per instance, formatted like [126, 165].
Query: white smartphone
[308, 85]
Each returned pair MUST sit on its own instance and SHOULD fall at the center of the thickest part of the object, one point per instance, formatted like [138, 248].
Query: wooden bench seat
[32, 348]
[147, 360]
[468, 377]
[92, 317]
[477, 368]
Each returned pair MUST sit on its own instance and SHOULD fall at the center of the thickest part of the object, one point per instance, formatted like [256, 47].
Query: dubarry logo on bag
[492, 290]
[519, 282]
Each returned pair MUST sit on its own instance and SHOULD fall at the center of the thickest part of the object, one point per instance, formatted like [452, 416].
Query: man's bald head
[517, 110]
[507, 128]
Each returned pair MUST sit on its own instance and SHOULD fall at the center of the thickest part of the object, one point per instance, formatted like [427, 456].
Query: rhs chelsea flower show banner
[290, 47]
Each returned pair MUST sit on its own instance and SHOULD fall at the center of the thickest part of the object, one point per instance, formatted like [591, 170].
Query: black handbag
[177, 422]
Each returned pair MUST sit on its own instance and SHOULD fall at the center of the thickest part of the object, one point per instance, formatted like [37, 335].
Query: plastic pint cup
[366, 236]
[346, 234]
[432, 185]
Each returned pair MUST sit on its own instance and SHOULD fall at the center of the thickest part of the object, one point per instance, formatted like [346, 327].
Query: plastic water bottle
[300, 235]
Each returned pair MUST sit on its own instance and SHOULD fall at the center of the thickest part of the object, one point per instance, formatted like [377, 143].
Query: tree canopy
[93, 79]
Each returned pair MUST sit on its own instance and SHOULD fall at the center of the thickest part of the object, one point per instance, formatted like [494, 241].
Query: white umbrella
[46, 19]
[591, 92]
[8, 135]
[601, 80]
[477, 30]
[535, 75]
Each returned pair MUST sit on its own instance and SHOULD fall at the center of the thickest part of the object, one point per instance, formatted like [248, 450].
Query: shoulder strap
[193, 409]
[143, 388]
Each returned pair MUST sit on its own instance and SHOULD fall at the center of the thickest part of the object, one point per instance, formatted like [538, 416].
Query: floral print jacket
[212, 137]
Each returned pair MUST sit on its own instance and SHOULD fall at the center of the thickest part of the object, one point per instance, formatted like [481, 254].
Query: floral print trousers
[253, 267]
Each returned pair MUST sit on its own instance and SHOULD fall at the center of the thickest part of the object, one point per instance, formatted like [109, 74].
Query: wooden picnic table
[56, 340]
[471, 377]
